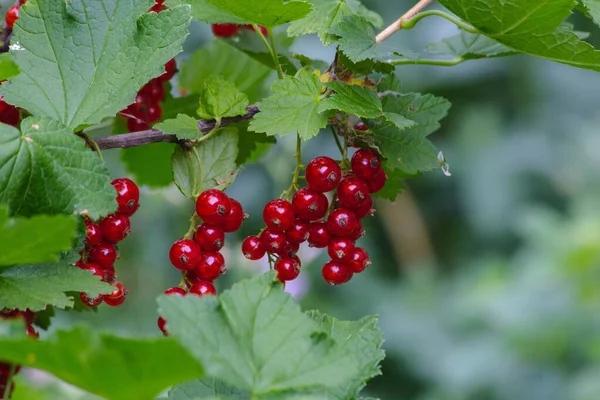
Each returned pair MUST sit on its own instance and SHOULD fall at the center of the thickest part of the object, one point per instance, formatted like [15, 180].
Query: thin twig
[141, 138]
[5, 36]
[397, 25]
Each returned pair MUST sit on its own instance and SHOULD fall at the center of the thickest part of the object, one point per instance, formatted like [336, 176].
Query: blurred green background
[487, 283]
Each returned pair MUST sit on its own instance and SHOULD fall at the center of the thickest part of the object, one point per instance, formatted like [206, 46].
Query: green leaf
[173, 106]
[210, 164]
[47, 169]
[408, 149]
[530, 26]
[468, 46]
[184, 127]
[8, 68]
[34, 286]
[356, 38]
[591, 8]
[400, 121]
[34, 240]
[84, 60]
[204, 11]
[251, 44]
[326, 14]
[255, 338]
[113, 367]
[353, 99]
[220, 98]
[294, 106]
[150, 164]
[207, 388]
[269, 13]
[226, 61]
[393, 185]
[311, 63]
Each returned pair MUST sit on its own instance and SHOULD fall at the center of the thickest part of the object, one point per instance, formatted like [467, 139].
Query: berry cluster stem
[294, 185]
[337, 141]
[193, 222]
[270, 45]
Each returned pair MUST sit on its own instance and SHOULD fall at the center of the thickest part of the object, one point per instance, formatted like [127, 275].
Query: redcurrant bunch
[229, 30]
[158, 6]
[199, 257]
[101, 237]
[309, 218]
[12, 15]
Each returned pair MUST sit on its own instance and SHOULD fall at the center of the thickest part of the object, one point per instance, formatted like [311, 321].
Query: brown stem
[155, 136]
[5, 36]
[397, 25]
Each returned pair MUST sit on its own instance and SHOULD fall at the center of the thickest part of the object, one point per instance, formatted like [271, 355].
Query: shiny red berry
[366, 208]
[340, 249]
[360, 126]
[273, 241]
[318, 235]
[170, 69]
[359, 260]
[279, 215]
[162, 325]
[115, 227]
[203, 288]
[336, 273]
[358, 232]
[352, 192]
[9, 114]
[90, 301]
[158, 8]
[93, 235]
[103, 254]
[209, 237]
[323, 174]
[224, 30]
[12, 15]
[365, 163]
[117, 296]
[298, 233]
[128, 196]
[213, 206]
[253, 248]
[377, 182]
[109, 274]
[289, 249]
[309, 204]
[342, 222]
[185, 254]
[211, 266]
[94, 268]
[154, 113]
[175, 291]
[31, 332]
[137, 125]
[153, 92]
[287, 269]
[236, 216]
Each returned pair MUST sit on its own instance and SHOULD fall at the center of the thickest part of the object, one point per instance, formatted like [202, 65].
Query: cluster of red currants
[100, 252]
[146, 109]
[308, 218]
[230, 30]
[12, 15]
[199, 257]
[6, 368]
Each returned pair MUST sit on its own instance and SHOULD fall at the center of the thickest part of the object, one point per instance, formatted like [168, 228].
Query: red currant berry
[352, 192]
[12, 15]
[340, 249]
[9, 114]
[366, 163]
[137, 125]
[359, 260]
[273, 241]
[360, 126]
[154, 113]
[109, 274]
[253, 248]
[209, 237]
[336, 273]
[358, 232]
[236, 216]
[162, 325]
[159, 2]
[117, 296]
[263, 30]
[366, 208]
[94, 268]
[29, 316]
[298, 233]
[323, 174]
[128, 196]
[31, 332]
[203, 288]
[278, 215]
[224, 30]
[309, 204]
[318, 235]
[170, 69]
[103, 254]
[93, 235]
[211, 266]
[90, 301]
[115, 227]
[5, 370]
[175, 291]
[342, 222]
[287, 269]
[290, 249]
[185, 254]
[377, 182]
[153, 92]
[213, 206]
